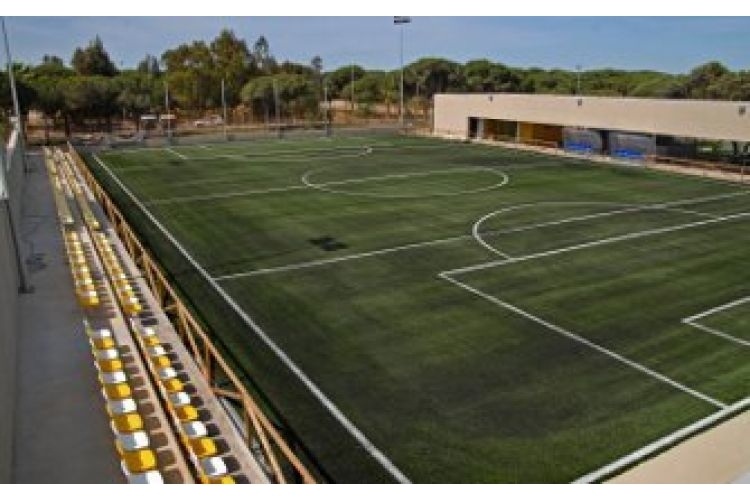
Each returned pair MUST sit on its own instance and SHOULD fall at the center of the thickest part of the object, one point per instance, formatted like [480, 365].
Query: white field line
[321, 186]
[219, 196]
[693, 321]
[374, 452]
[250, 158]
[561, 331]
[326, 186]
[478, 235]
[718, 333]
[662, 443]
[595, 243]
[720, 308]
[179, 155]
[322, 262]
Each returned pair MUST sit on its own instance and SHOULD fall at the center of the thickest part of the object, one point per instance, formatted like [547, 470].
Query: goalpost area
[414, 309]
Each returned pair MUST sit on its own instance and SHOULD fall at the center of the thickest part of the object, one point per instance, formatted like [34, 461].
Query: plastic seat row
[58, 192]
[66, 166]
[203, 450]
[137, 460]
[83, 281]
[126, 296]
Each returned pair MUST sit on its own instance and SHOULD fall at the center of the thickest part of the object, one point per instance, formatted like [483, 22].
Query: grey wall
[8, 332]
[9, 321]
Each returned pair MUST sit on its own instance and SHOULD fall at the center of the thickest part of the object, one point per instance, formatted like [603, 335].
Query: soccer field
[423, 310]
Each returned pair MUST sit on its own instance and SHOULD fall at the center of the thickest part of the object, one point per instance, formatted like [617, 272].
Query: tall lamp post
[401, 21]
[24, 286]
[578, 72]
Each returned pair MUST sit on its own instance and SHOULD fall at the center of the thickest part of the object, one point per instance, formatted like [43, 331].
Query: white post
[278, 109]
[401, 112]
[224, 106]
[166, 105]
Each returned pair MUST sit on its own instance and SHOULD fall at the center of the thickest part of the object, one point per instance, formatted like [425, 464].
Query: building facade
[626, 126]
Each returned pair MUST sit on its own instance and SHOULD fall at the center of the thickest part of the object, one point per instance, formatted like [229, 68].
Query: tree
[192, 76]
[485, 76]
[434, 75]
[137, 93]
[149, 65]
[52, 60]
[703, 77]
[262, 57]
[296, 95]
[316, 63]
[232, 60]
[341, 78]
[93, 60]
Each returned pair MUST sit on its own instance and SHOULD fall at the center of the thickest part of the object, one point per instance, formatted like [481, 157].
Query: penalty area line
[573, 336]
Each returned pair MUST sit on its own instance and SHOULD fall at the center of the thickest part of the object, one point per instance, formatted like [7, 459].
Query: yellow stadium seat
[161, 362]
[118, 391]
[186, 413]
[139, 460]
[173, 385]
[203, 447]
[217, 480]
[152, 341]
[109, 365]
[105, 343]
[128, 422]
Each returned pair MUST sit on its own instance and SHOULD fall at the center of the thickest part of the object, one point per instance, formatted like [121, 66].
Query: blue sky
[661, 43]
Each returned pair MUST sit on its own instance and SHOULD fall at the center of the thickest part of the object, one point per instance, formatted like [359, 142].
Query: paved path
[62, 433]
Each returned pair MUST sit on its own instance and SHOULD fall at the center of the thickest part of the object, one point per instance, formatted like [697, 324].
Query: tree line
[92, 87]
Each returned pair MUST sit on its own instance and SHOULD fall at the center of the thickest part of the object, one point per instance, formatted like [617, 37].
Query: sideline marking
[586, 342]
[660, 444]
[179, 155]
[374, 452]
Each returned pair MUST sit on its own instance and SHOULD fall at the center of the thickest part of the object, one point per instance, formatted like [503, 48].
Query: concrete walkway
[719, 455]
[62, 432]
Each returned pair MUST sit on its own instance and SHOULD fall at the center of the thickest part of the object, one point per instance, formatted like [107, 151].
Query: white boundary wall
[721, 120]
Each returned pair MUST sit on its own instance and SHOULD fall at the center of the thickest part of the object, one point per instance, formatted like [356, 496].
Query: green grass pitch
[478, 314]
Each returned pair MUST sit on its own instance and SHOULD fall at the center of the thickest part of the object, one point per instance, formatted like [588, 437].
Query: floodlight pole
[11, 78]
[578, 71]
[224, 106]
[401, 21]
[23, 280]
[14, 95]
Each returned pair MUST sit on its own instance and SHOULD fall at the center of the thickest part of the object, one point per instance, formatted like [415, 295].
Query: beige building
[617, 121]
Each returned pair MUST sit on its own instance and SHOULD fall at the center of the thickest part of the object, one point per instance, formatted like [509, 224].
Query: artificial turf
[448, 385]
